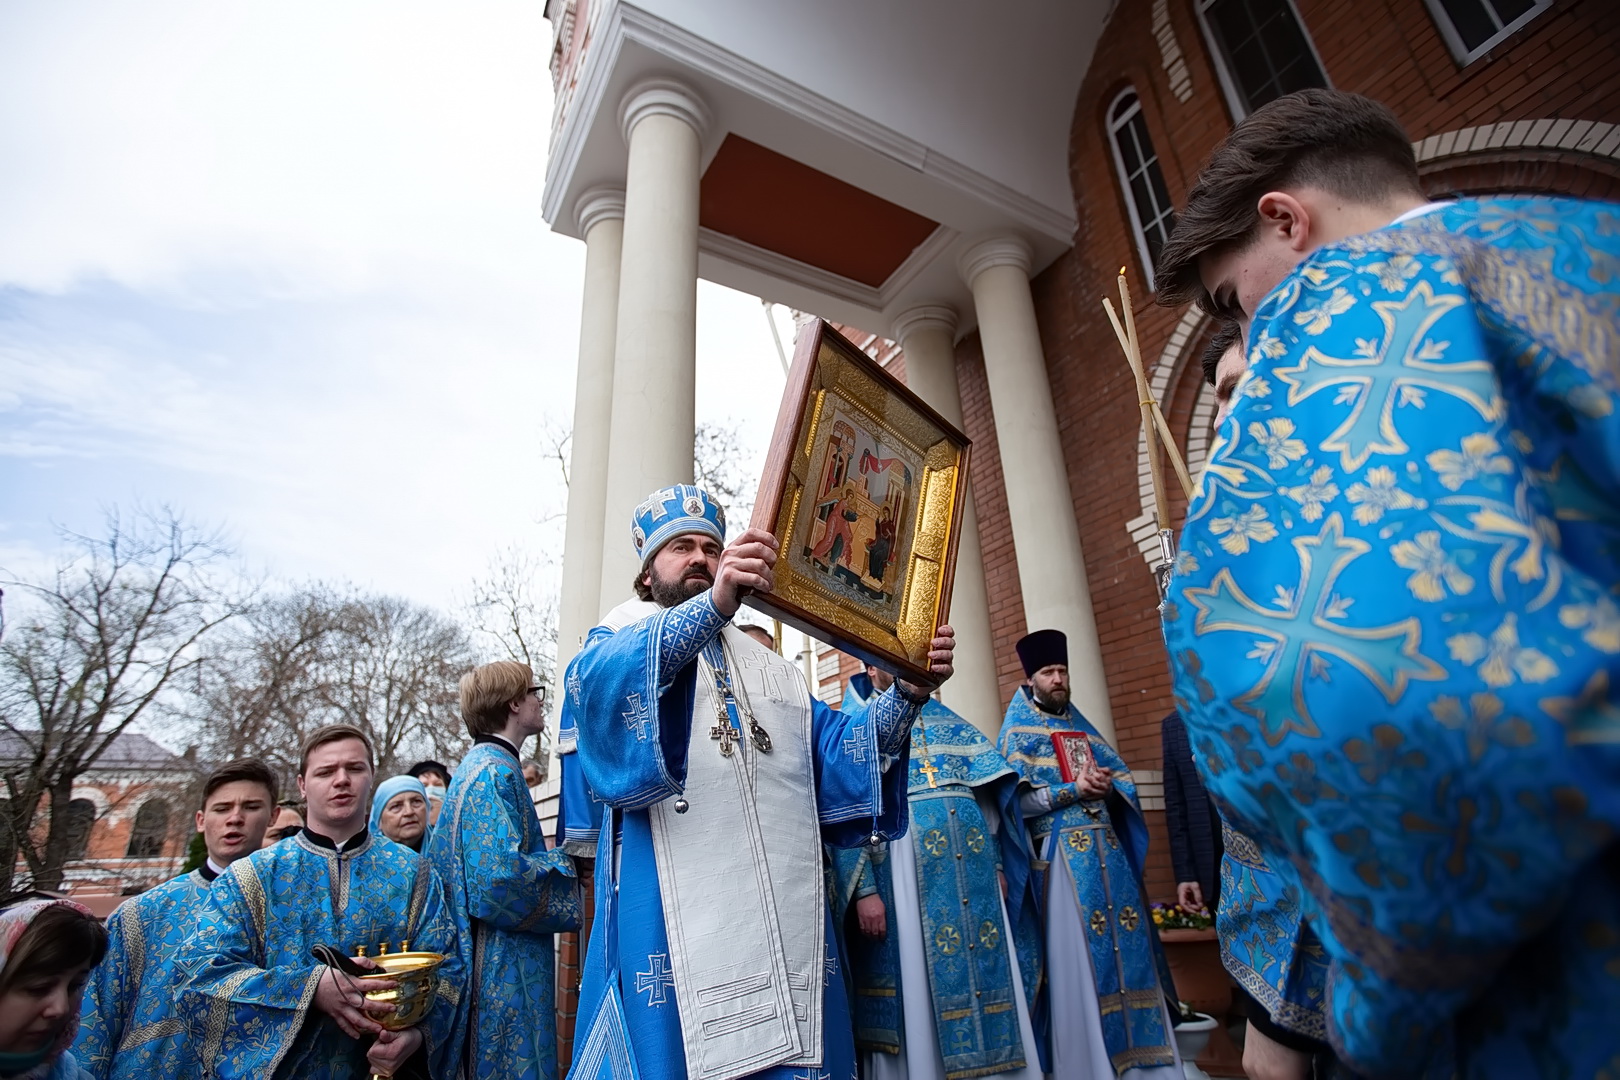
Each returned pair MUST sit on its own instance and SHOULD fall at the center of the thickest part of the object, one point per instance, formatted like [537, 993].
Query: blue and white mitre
[666, 514]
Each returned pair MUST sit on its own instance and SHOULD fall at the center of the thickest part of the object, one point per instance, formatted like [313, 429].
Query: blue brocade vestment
[1395, 632]
[247, 996]
[1103, 843]
[129, 1028]
[507, 895]
[957, 855]
[632, 692]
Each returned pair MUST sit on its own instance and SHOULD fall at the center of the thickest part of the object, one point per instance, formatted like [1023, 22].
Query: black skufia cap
[1041, 649]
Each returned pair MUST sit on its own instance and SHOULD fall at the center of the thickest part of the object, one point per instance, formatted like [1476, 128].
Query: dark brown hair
[643, 590]
[332, 733]
[1227, 334]
[251, 770]
[61, 938]
[1344, 143]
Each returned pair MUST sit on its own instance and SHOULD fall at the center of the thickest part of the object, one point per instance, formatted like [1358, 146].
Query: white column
[600, 213]
[927, 334]
[1046, 538]
[655, 356]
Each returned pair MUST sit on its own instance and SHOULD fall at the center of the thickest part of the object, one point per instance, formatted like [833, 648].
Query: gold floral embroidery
[1501, 658]
[1313, 495]
[1378, 494]
[1598, 622]
[1482, 724]
[1236, 531]
[1434, 571]
[1478, 457]
[1128, 918]
[1275, 439]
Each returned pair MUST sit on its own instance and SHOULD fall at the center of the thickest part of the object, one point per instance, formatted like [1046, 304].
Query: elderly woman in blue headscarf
[399, 811]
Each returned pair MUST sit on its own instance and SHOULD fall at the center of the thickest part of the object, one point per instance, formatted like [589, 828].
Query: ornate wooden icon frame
[828, 370]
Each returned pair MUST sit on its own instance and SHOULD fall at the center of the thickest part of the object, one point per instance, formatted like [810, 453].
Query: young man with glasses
[507, 892]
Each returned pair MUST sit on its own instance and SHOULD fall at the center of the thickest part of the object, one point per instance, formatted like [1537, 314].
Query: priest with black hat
[1103, 971]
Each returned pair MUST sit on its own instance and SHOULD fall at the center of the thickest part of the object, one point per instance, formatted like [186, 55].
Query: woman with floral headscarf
[47, 950]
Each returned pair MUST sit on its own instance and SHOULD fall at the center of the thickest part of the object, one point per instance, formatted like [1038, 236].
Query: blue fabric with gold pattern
[248, 980]
[507, 894]
[975, 1009]
[1266, 945]
[1104, 842]
[1394, 631]
[128, 1029]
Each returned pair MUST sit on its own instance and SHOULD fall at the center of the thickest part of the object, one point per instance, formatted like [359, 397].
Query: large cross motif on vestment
[1303, 628]
[1395, 375]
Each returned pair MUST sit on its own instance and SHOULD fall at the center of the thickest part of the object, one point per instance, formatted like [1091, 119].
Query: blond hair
[487, 691]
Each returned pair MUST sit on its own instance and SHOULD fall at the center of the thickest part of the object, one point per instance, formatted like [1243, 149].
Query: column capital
[598, 204]
[1006, 249]
[924, 317]
[663, 97]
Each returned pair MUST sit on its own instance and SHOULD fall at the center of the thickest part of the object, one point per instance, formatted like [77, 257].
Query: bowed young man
[1393, 622]
[508, 894]
[713, 954]
[255, 1001]
[128, 1029]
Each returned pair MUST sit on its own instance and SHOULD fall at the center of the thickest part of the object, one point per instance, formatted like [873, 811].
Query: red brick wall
[1558, 66]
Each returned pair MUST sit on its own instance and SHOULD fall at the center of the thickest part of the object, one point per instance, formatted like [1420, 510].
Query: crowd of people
[1392, 628]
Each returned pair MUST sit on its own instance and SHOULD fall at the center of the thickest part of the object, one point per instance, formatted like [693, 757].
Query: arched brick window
[1261, 51]
[81, 816]
[1152, 214]
[151, 830]
[1473, 27]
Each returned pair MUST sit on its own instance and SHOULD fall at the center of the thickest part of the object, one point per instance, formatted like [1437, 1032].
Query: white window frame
[1229, 86]
[1143, 252]
[1454, 41]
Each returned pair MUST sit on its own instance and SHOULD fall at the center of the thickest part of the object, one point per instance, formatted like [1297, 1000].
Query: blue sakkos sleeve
[635, 689]
[507, 885]
[107, 1002]
[857, 793]
[1392, 622]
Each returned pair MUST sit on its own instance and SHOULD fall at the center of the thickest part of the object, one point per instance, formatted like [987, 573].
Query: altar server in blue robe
[1106, 987]
[944, 968]
[713, 954]
[254, 1000]
[507, 892]
[129, 1029]
[1393, 622]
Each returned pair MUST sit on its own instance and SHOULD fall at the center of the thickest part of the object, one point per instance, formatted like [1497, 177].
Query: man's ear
[1284, 218]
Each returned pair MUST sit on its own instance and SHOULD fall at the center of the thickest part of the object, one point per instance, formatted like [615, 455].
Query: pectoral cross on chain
[930, 770]
[722, 731]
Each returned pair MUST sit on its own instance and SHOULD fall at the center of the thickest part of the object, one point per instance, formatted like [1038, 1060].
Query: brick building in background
[966, 179]
[130, 820]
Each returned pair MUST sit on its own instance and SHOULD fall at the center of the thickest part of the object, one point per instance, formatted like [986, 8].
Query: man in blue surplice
[128, 1029]
[1107, 980]
[507, 893]
[1393, 622]
[944, 969]
[255, 1001]
[712, 954]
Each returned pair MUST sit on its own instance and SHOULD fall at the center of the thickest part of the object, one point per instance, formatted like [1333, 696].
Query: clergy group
[1394, 638]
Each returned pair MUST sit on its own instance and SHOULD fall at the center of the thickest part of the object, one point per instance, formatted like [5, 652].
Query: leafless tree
[322, 655]
[513, 611]
[107, 643]
[727, 470]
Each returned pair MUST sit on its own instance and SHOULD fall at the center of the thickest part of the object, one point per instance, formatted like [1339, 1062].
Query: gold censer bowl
[413, 997]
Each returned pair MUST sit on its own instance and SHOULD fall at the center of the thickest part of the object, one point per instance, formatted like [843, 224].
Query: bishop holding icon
[712, 949]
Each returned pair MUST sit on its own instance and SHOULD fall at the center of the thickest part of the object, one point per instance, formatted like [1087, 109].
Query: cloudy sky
[282, 266]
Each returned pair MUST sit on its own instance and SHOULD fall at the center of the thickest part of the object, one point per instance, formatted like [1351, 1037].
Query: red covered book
[1074, 754]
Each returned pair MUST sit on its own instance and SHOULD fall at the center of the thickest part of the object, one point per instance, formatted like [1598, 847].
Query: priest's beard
[1055, 702]
[667, 593]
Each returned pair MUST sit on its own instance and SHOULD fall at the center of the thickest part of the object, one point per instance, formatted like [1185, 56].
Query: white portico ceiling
[957, 111]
